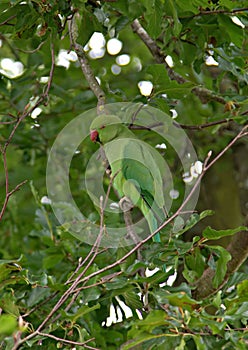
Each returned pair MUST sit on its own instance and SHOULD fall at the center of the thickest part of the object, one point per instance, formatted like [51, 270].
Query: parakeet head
[105, 128]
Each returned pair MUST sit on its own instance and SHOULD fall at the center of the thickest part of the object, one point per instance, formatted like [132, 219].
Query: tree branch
[160, 57]
[86, 68]
[155, 51]
[27, 111]
[73, 289]
[182, 126]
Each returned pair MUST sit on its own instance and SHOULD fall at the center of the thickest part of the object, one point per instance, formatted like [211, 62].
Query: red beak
[93, 135]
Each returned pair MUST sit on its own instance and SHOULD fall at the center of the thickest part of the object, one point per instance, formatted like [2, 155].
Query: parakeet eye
[102, 127]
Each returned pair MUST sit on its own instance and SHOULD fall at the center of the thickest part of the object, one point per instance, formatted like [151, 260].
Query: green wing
[137, 176]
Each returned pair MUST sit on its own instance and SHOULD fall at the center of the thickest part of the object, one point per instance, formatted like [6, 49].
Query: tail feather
[153, 225]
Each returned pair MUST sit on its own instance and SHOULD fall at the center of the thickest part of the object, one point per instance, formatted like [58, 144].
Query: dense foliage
[56, 291]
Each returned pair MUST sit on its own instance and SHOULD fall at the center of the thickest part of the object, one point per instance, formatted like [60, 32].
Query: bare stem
[64, 340]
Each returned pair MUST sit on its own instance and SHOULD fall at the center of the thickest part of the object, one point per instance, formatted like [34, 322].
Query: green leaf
[52, 260]
[153, 17]
[132, 300]
[231, 29]
[83, 311]
[13, 262]
[199, 342]
[163, 84]
[116, 283]
[221, 266]
[195, 261]
[242, 290]
[142, 338]
[8, 324]
[89, 24]
[179, 299]
[154, 319]
[226, 3]
[194, 219]
[7, 267]
[236, 311]
[8, 304]
[212, 234]
[177, 26]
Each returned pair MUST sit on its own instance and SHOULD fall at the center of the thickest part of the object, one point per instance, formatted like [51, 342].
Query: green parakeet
[136, 168]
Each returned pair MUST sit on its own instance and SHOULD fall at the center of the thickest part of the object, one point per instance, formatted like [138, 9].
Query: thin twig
[35, 308]
[64, 340]
[6, 123]
[73, 288]
[8, 193]
[34, 50]
[182, 126]
[217, 12]
[7, 20]
[66, 295]
[237, 137]
[27, 111]
[49, 83]
[202, 126]
[105, 279]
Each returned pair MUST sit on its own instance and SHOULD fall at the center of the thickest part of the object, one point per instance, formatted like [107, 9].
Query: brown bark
[238, 248]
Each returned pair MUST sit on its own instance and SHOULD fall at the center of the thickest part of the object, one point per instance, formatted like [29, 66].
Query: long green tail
[153, 225]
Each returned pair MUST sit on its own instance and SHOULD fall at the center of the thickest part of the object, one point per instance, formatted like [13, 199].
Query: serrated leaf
[84, 310]
[121, 23]
[236, 311]
[189, 275]
[213, 234]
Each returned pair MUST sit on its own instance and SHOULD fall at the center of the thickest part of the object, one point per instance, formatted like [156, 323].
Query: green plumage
[136, 167]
